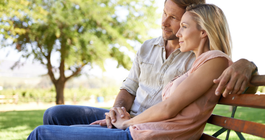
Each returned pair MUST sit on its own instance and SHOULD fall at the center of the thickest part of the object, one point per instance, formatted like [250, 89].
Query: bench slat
[248, 127]
[258, 80]
[247, 100]
[208, 137]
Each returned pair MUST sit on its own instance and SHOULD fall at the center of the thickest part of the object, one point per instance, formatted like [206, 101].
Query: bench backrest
[249, 99]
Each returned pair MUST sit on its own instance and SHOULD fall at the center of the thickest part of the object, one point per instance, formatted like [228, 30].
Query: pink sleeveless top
[190, 122]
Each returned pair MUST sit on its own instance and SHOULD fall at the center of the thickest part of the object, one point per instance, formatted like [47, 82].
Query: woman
[188, 100]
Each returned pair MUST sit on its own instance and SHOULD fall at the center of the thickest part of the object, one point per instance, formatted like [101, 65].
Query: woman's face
[188, 34]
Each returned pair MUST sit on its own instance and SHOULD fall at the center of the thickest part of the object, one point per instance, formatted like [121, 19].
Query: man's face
[171, 20]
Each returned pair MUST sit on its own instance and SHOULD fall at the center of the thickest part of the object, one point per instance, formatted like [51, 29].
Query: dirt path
[35, 106]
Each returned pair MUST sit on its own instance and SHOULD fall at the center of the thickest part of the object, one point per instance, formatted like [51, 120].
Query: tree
[78, 32]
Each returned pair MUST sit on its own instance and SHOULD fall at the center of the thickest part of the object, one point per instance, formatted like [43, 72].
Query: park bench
[247, 99]
[9, 99]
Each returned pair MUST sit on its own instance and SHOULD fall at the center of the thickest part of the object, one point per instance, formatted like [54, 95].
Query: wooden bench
[248, 99]
[8, 99]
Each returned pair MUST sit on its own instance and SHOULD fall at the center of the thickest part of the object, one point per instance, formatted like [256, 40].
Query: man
[158, 61]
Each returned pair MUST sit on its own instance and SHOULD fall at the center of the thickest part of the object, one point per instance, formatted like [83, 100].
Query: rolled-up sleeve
[131, 83]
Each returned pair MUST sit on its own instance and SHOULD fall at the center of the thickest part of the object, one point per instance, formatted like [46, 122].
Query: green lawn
[17, 125]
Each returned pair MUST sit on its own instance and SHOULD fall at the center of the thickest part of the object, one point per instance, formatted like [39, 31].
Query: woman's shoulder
[210, 55]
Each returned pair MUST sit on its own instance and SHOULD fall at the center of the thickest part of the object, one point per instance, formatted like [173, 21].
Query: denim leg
[58, 132]
[72, 114]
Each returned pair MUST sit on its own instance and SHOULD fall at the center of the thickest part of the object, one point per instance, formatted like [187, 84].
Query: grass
[17, 125]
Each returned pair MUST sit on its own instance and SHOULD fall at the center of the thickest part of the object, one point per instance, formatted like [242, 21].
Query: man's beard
[171, 37]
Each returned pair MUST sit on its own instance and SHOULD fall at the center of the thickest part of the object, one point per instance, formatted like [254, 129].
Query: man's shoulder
[152, 43]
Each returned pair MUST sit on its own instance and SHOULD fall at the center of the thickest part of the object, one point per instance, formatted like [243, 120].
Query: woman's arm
[187, 92]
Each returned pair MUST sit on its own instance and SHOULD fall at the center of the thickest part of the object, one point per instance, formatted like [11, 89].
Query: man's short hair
[184, 3]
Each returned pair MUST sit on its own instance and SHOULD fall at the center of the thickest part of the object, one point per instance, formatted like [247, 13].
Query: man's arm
[124, 99]
[235, 78]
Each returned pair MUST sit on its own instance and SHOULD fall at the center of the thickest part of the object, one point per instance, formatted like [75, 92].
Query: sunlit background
[247, 25]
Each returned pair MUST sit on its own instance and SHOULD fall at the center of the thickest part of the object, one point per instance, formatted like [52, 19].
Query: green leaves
[66, 35]
[83, 32]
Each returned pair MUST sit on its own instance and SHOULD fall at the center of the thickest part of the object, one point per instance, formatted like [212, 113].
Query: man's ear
[203, 33]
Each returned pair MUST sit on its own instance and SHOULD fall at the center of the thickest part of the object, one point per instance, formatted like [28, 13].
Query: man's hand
[111, 117]
[235, 78]
[120, 123]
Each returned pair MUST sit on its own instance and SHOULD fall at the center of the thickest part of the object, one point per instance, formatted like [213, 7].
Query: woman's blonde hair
[212, 19]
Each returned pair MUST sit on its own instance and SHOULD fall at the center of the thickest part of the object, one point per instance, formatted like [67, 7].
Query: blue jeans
[72, 115]
[69, 122]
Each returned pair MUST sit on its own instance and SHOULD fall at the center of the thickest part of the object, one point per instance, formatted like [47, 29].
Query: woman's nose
[178, 33]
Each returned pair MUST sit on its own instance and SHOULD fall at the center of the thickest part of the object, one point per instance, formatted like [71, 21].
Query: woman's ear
[203, 33]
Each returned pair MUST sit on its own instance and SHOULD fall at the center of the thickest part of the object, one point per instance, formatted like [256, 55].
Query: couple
[188, 99]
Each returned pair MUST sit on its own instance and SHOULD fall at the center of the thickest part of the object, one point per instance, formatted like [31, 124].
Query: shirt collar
[160, 41]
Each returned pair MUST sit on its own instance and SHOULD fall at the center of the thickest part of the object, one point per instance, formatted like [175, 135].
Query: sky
[246, 21]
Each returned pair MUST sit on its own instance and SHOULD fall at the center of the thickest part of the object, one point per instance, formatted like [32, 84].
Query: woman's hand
[120, 123]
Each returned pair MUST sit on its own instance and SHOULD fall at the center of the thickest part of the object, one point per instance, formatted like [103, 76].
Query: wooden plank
[258, 80]
[247, 100]
[208, 137]
[248, 127]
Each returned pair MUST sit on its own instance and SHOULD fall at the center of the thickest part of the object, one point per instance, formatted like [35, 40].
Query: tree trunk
[59, 86]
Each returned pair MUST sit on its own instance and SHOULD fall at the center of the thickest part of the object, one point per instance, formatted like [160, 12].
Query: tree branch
[77, 71]
[62, 65]
[39, 46]
[49, 67]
